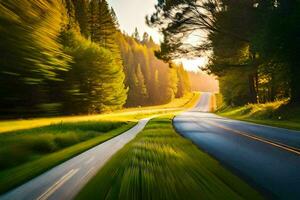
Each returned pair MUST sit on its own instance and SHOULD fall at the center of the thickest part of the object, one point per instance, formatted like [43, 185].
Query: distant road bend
[266, 157]
[64, 181]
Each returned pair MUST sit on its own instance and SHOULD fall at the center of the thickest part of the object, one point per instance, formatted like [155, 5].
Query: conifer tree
[82, 16]
[156, 96]
[107, 27]
[145, 39]
[114, 18]
[94, 25]
[141, 85]
[136, 35]
[183, 86]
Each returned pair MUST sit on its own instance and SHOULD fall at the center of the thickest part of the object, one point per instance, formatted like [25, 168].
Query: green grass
[279, 114]
[43, 150]
[27, 145]
[160, 164]
[30, 147]
[121, 115]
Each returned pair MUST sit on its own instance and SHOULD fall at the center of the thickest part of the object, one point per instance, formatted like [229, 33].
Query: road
[266, 157]
[65, 181]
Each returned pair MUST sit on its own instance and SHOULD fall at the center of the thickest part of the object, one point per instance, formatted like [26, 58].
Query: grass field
[279, 114]
[26, 154]
[30, 147]
[160, 164]
[121, 115]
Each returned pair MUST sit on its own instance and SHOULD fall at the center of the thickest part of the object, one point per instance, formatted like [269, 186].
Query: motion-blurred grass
[22, 146]
[160, 164]
[121, 115]
[26, 152]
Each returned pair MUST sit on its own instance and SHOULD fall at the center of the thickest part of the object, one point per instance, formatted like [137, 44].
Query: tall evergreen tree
[145, 39]
[94, 24]
[114, 18]
[106, 26]
[82, 16]
[141, 85]
[136, 34]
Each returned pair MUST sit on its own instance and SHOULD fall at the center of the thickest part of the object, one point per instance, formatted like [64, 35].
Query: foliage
[49, 65]
[69, 57]
[150, 80]
[95, 82]
[31, 53]
[258, 39]
[277, 113]
[129, 114]
[154, 166]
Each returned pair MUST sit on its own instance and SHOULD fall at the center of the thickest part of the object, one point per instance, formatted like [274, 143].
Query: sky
[131, 14]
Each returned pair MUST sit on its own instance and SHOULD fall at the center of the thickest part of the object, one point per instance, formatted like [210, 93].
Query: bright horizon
[131, 14]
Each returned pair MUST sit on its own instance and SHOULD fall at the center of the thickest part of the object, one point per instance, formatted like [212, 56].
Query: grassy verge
[122, 115]
[278, 114]
[40, 161]
[26, 152]
[160, 164]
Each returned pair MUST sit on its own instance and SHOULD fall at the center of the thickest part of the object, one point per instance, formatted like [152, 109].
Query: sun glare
[193, 64]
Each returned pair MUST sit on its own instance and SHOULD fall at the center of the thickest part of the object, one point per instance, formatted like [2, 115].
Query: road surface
[65, 181]
[266, 157]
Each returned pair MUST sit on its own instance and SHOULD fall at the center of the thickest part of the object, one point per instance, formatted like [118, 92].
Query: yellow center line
[245, 134]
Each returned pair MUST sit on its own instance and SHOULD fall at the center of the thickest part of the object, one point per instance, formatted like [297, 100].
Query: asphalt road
[65, 181]
[266, 157]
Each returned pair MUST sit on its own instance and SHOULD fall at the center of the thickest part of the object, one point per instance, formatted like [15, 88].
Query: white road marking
[57, 185]
[88, 173]
[90, 160]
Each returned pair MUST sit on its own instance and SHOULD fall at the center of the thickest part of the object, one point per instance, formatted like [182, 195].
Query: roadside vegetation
[277, 113]
[122, 115]
[160, 164]
[26, 152]
[77, 60]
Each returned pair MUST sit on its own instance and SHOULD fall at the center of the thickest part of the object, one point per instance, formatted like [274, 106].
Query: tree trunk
[252, 89]
[295, 83]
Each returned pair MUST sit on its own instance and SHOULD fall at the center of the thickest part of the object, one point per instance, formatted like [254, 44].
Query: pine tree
[94, 24]
[183, 86]
[104, 32]
[96, 82]
[156, 96]
[82, 16]
[136, 35]
[141, 85]
[114, 18]
[107, 27]
[70, 13]
[145, 39]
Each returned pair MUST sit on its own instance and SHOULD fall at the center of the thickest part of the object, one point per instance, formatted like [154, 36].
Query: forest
[70, 57]
[253, 46]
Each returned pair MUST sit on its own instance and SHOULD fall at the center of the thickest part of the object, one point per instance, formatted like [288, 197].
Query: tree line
[151, 81]
[253, 45]
[69, 57]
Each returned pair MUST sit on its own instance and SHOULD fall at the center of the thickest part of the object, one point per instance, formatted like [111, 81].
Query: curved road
[64, 181]
[266, 157]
